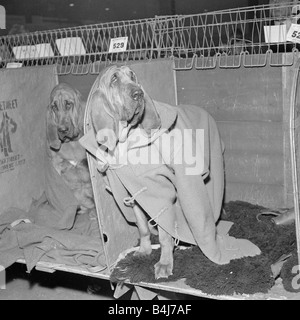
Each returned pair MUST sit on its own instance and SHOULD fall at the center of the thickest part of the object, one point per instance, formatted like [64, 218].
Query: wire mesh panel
[77, 50]
[250, 36]
[229, 38]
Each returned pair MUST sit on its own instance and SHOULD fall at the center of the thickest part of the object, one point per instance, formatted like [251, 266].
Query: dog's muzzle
[64, 132]
[137, 94]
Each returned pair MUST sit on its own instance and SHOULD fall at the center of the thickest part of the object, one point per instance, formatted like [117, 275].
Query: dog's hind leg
[164, 268]
[142, 224]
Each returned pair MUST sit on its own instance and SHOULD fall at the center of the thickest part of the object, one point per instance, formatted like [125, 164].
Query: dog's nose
[62, 129]
[137, 94]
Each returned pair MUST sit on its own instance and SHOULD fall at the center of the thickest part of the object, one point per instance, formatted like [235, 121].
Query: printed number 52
[296, 34]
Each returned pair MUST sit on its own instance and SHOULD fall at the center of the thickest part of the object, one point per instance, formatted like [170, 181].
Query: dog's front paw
[143, 251]
[163, 270]
[145, 248]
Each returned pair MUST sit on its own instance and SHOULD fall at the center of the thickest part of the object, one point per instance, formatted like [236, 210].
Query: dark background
[36, 15]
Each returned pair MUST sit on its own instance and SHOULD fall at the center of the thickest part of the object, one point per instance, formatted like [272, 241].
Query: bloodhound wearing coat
[182, 199]
[65, 115]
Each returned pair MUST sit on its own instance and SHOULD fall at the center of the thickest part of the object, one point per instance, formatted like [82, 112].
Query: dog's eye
[68, 105]
[114, 78]
[54, 107]
[133, 76]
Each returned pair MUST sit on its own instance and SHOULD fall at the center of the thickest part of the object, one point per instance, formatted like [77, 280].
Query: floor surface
[39, 285]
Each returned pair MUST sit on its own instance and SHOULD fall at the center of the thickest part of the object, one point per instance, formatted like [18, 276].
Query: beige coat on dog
[180, 192]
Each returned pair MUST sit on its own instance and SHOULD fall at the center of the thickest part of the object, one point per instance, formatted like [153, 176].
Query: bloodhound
[65, 115]
[121, 100]
[182, 198]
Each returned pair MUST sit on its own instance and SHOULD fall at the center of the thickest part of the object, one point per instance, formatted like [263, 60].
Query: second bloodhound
[65, 115]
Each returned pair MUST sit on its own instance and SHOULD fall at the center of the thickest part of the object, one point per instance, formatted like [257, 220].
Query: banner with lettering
[24, 96]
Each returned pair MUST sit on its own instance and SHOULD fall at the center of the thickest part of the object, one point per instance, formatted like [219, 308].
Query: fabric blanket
[51, 230]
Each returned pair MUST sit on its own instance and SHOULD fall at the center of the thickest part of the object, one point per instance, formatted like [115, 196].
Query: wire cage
[249, 36]
[77, 50]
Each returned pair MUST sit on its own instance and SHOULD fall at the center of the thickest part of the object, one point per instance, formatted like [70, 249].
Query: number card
[275, 34]
[14, 65]
[118, 44]
[37, 51]
[2, 18]
[294, 33]
[70, 46]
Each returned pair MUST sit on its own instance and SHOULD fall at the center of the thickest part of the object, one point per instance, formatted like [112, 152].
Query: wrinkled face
[117, 104]
[124, 94]
[64, 110]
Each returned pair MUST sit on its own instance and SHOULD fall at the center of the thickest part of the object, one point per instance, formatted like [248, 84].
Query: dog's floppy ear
[103, 121]
[78, 112]
[151, 119]
[51, 131]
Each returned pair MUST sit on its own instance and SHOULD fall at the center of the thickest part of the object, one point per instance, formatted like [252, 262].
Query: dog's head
[64, 115]
[119, 104]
